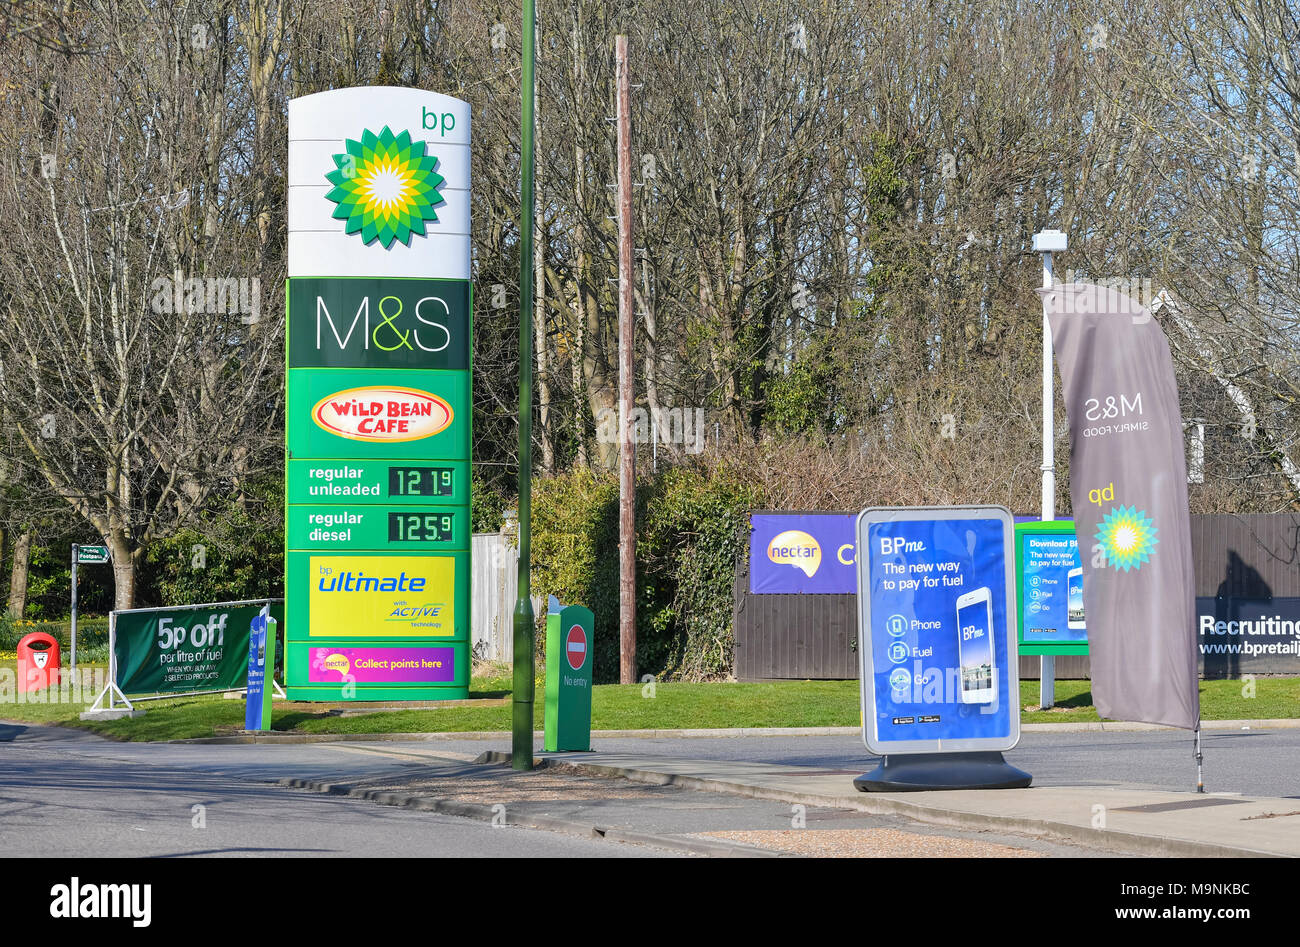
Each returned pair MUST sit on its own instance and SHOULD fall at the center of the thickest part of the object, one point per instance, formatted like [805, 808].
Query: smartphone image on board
[975, 646]
[1074, 601]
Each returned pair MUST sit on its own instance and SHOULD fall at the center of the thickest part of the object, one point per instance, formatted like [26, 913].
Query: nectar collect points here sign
[378, 410]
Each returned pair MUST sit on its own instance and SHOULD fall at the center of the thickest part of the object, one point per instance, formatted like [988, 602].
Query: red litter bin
[38, 661]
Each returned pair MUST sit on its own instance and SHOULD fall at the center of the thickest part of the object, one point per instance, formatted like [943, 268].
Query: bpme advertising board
[937, 606]
[378, 406]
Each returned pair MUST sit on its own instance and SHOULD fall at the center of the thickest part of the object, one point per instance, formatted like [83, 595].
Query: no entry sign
[575, 647]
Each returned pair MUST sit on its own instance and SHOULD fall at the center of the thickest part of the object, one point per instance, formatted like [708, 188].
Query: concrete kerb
[423, 736]
[482, 813]
[873, 804]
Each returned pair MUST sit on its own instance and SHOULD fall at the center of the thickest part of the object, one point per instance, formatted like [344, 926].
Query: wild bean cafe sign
[378, 417]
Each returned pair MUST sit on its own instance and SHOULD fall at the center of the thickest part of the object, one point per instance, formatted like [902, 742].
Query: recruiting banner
[794, 553]
[1049, 587]
[1240, 636]
[936, 611]
[192, 648]
[1128, 487]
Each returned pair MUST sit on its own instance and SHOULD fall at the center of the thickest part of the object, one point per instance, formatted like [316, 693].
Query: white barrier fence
[494, 584]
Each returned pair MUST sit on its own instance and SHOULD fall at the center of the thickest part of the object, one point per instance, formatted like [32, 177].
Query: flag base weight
[921, 772]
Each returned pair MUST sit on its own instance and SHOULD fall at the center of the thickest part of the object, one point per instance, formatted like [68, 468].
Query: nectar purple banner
[802, 553]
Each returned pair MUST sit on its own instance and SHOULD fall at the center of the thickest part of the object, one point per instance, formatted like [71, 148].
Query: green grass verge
[624, 707]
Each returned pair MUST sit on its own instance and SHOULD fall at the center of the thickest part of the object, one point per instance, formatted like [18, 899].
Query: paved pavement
[1254, 762]
[1259, 761]
[670, 813]
[1139, 821]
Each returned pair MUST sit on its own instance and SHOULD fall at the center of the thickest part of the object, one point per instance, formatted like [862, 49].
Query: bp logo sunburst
[385, 187]
[1128, 537]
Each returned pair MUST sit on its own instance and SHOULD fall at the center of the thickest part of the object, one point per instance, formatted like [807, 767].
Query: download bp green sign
[378, 408]
[1049, 587]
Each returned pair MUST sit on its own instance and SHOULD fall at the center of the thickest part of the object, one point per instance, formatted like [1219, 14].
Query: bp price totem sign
[378, 402]
[936, 611]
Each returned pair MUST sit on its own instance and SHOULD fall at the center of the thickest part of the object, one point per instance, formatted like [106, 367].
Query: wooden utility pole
[626, 336]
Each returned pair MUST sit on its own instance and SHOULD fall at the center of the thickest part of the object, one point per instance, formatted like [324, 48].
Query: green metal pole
[522, 742]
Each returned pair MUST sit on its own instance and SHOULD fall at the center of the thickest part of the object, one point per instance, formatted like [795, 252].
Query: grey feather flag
[1128, 487]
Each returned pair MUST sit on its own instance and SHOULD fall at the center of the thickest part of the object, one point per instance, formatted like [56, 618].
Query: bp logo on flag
[385, 187]
[1128, 537]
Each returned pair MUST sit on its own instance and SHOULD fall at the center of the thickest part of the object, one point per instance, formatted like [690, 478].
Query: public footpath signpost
[567, 720]
[936, 618]
[378, 401]
[91, 556]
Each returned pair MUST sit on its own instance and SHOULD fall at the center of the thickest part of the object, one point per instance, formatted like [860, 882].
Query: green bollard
[569, 636]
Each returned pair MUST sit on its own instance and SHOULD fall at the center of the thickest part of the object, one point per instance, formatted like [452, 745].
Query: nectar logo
[796, 548]
[337, 662]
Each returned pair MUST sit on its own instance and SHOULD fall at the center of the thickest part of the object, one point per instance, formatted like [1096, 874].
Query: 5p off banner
[180, 650]
[1128, 489]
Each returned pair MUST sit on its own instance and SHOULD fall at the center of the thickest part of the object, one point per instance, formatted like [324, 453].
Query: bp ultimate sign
[378, 403]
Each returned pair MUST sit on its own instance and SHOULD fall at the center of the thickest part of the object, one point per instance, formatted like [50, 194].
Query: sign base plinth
[921, 772]
[117, 714]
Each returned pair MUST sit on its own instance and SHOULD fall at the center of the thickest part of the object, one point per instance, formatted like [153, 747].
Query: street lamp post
[521, 744]
[1046, 242]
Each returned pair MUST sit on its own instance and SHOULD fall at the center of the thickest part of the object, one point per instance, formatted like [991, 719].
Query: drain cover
[1188, 804]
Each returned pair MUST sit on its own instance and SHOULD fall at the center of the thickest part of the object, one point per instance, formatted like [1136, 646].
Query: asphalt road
[67, 793]
[62, 794]
[1253, 762]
